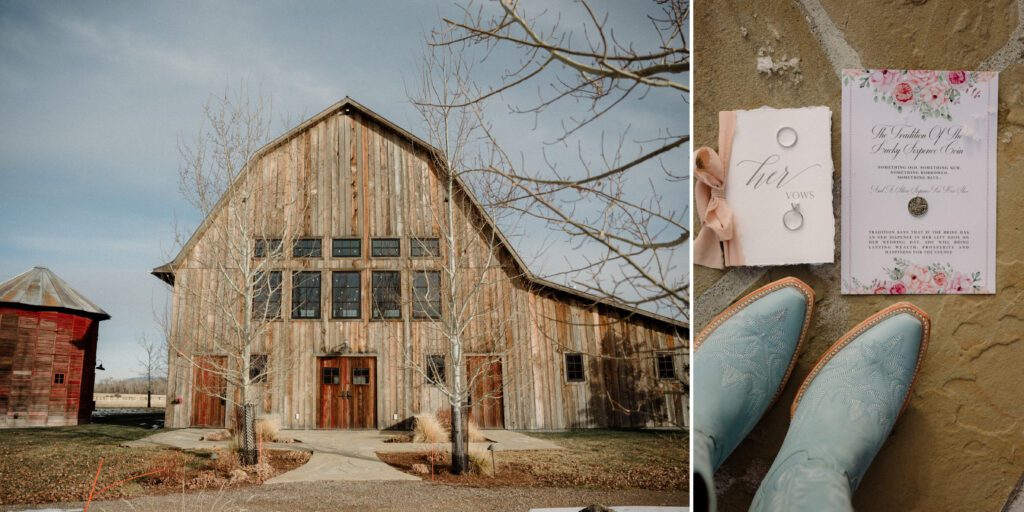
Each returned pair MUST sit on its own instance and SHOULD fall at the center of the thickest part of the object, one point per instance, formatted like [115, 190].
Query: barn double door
[209, 386]
[486, 405]
[348, 392]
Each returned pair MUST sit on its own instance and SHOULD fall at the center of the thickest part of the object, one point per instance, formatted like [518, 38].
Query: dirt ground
[606, 460]
[383, 497]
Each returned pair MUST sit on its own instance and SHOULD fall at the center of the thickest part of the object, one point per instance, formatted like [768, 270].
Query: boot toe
[743, 359]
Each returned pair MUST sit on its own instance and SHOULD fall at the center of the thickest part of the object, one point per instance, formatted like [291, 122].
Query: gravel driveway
[387, 496]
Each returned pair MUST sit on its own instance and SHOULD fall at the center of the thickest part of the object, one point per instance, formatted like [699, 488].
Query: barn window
[58, 378]
[666, 366]
[425, 248]
[346, 248]
[305, 294]
[426, 293]
[387, 295]
[360, 376]
[267, 247]
[330, 375]
[574, 368]
[266, 297]
[345, 294]
[385, 247]
[258, 368]
[435, 369]
[307, 248]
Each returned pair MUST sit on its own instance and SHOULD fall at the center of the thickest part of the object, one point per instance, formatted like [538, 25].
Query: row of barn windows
[665, 366]
[350, 248]
[346, 295]
[436, 373]
[575, 371]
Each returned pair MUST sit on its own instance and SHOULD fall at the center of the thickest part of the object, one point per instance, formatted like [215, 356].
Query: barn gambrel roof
[165, 272]
[40, 288]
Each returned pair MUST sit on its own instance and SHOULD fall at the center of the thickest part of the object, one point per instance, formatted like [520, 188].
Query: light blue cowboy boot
[742, 360]
[844, 411]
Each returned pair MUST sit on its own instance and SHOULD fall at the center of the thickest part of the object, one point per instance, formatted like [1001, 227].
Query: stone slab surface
[960, 445]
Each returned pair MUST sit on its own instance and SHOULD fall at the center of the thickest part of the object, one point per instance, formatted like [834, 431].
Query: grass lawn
[593, 459]
[56, 464]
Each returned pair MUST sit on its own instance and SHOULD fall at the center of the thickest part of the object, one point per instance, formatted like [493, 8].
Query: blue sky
[94, 96]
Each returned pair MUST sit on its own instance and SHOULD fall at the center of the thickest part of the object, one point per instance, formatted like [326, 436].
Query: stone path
[342, 455]
[958, 447]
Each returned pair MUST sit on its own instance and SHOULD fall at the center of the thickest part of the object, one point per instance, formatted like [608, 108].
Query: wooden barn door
[486, 396]
[207, 406]
[348, 392]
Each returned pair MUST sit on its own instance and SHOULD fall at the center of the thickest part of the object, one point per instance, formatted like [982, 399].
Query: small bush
[428, 430]
[481, 462]
[268, 427]
[263, 470]
[444, 417]
[474, 433]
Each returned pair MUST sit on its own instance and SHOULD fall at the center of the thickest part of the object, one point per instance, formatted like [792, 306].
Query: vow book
[779, 186]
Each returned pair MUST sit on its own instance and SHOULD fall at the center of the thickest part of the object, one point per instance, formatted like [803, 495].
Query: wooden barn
[48, 335]
[354, 198]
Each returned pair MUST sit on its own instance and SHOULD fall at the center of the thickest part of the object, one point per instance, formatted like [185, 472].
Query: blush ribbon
[715, 245]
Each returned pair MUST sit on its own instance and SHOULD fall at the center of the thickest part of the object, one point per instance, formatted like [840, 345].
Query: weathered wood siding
[349, 176]
[35, 345]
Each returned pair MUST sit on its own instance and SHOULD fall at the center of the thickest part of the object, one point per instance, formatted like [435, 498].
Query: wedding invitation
[779, 186]
[919, 182]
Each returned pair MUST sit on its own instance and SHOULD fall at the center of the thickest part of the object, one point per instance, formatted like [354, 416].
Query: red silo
[48, 335]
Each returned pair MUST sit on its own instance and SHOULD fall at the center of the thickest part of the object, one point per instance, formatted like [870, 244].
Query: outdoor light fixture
[100, 367]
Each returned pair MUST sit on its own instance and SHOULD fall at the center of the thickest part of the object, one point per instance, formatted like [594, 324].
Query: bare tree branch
[596, 203]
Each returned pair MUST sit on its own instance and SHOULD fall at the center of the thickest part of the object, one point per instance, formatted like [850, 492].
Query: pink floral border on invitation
[927, 92]
[905, 277]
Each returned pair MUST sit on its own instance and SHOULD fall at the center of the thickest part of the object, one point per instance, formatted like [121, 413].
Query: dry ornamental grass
[436, 428]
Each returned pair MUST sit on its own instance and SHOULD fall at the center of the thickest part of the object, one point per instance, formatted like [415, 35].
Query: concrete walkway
[342, 455]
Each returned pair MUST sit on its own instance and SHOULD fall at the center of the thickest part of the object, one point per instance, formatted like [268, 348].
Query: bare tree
[152, 364]
[231, 284]
[474, 265]
[641, 235]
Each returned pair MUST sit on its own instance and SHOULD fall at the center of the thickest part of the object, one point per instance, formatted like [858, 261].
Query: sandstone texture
[960, 445]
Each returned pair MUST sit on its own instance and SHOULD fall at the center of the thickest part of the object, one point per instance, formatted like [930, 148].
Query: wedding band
[786, 137]
[793, 219]
[918, 206]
